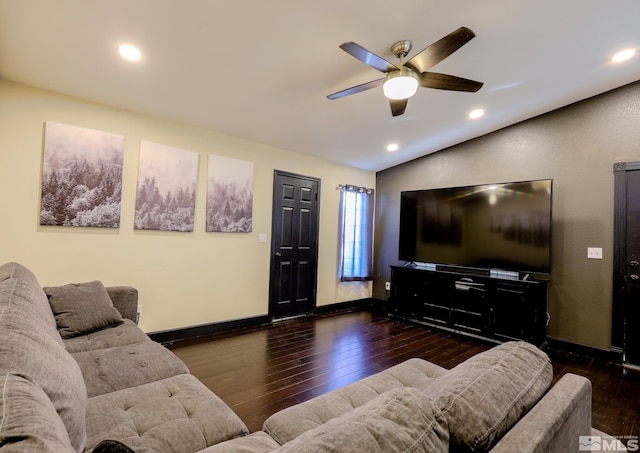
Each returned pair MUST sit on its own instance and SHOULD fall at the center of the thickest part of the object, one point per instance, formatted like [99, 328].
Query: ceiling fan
[403, 79]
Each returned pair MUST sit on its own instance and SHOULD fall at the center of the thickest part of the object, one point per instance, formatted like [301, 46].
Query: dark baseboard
[379, 306]
[203, 330]
[342, 306]
[609, 355]
[189, 333]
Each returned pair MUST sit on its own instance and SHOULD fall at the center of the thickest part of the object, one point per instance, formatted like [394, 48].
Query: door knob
[278, 254]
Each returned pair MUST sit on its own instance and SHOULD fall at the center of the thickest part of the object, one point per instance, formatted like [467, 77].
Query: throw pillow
[400, 420]
[483, 397]
[28, 420]
[82, 308]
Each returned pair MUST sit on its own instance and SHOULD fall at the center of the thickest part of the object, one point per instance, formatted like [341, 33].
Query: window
[356, 238]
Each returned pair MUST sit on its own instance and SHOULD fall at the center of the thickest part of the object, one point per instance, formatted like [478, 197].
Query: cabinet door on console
[405, 292]
[436, 301]
[516, 315]
[470, 311]
[421, 295]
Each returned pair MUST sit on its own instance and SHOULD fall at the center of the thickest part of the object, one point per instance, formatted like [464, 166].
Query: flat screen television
[505, 226]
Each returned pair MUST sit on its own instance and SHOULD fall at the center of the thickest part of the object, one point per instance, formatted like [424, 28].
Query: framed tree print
[166, 190]
[229, 195]
[81, 177]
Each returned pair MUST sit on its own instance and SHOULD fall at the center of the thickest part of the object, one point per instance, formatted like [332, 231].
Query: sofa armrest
[555, 423]
[125, 299]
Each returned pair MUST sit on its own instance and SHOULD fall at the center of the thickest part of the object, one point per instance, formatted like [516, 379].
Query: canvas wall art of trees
[166, 190]
[81, 177]
[229, 195]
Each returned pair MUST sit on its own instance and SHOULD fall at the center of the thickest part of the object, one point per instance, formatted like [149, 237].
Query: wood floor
[259, 371]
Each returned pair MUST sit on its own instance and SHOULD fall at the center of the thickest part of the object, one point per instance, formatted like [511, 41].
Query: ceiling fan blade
[356, 89]
[448, 82]
[439, 50]
[398, 106]
[368, 58]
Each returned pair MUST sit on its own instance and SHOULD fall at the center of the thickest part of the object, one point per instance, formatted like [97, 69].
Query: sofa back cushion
[483, 397]
[401, 420]
[29, 348]
[82, 308]
[28, 420]
[289, 423]
[21, 289]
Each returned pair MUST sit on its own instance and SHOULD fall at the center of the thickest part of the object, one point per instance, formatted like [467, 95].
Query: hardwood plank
[261, 370]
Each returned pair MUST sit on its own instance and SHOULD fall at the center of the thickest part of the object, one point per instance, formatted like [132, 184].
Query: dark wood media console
[494, 309]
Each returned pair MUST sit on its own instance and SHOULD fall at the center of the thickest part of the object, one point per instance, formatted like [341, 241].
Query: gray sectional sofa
[77, 374]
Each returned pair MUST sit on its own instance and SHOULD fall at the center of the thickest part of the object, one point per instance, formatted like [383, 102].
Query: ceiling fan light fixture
[401, 84]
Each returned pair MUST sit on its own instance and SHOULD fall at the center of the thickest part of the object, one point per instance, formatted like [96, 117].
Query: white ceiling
[261, 70]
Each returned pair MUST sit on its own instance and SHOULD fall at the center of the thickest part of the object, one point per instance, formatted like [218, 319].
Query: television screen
[504, 226]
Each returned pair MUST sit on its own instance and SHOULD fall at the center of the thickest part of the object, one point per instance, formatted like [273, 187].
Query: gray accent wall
[576, 146]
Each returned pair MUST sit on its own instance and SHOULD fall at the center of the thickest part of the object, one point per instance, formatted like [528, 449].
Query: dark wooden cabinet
[490, 308]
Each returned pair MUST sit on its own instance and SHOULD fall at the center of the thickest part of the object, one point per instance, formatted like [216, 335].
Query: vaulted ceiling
[261, 70]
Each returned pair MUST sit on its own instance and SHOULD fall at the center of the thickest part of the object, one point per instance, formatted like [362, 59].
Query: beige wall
[576, 146]
[184, 279]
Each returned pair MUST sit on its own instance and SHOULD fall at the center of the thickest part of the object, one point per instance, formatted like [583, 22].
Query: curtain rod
[353, 188]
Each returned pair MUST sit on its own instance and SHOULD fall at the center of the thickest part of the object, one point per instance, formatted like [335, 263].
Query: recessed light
[623, 55]
[129, 52]
[391, 147]
[475, 114]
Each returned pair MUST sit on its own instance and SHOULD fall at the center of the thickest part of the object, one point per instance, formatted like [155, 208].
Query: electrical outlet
[594, 253]
[387, 286]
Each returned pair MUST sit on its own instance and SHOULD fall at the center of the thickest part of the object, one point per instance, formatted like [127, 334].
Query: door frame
[274, 247]
[618, 315]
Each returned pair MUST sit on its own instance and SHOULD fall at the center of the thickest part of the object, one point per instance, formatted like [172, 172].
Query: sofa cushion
[29, 348]
[258, 442]
[121, 335]
[82, 308]
[121, 367]
[293, 421]
[177, 414]
[483, 397]
[28, 420]
[401, 420]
